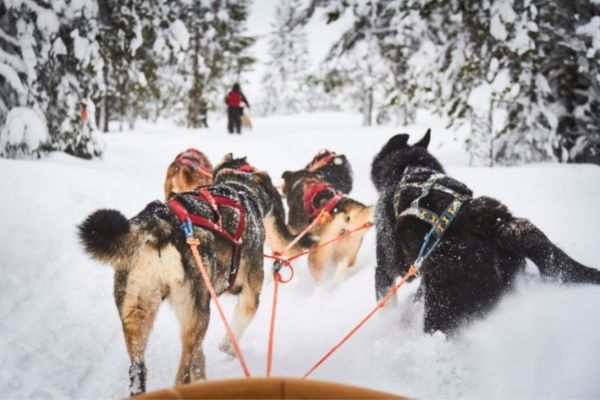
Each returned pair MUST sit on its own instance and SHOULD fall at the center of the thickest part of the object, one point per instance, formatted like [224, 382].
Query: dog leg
[192, 366]
[138, 312]
[340, 272]
[192, 309]
[521, 236]
[247, 303]
[317, 261]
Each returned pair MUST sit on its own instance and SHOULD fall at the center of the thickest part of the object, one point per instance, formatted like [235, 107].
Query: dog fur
[478, 257]
[153, 262]
[182, 178]
[337, 172]
[347, 215]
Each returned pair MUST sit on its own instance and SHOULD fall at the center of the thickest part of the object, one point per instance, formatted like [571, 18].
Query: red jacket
[235, 99]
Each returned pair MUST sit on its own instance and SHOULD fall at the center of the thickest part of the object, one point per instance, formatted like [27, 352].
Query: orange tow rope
[194, 242]
[411, 272]
[277, 279]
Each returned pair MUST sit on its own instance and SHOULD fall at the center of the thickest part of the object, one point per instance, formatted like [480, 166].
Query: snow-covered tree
[285, 82]
[218, 53]
[52, 50]
[524, 73]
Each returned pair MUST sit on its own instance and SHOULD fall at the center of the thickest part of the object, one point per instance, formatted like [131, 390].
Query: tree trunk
[368, 107]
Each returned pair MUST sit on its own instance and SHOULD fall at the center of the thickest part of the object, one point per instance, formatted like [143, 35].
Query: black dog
[332, 168]
[480, 251]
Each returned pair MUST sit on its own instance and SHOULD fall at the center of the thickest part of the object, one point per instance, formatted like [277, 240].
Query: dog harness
[214, 200]
[314, 190]
[193, 159]
[249, 169]
[439, 223]
[325, 157]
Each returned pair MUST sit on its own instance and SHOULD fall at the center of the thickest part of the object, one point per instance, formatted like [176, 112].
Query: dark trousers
[234, 119]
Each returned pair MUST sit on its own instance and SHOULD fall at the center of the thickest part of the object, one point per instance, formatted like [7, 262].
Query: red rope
[193, 242]
[411, 272]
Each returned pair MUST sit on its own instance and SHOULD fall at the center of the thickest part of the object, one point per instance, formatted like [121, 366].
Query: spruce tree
[57, 46]
[285, 85]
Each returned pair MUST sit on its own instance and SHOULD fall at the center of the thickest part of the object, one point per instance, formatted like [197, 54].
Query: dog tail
[103, 235]
[529, 241]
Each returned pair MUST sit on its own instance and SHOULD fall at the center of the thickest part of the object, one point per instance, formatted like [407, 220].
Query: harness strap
[188, 220]
[311, 191]
[317, 164]
[192, 159]
[246, 168]
[439, 223]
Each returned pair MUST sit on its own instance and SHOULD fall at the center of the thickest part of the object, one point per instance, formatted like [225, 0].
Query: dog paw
[226, 347]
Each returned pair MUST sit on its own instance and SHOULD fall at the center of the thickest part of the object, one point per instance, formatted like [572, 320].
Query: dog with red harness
[153, 261]
[189, 169]
[310, 197]
[332, 168]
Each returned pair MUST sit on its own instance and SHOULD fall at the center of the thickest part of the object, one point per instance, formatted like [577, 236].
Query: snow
[61, 335]
[81, 46]
[592, 29]
[47, 22]
[12, 77]
[23, 127]
[180, 34]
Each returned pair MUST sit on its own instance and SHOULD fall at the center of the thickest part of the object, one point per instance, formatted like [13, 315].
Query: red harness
[321, 162]
[311, 191]
[193, 159]
[215, 224]
[246, 168]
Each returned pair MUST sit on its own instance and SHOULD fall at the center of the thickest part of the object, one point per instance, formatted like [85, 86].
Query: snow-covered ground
[60, 336]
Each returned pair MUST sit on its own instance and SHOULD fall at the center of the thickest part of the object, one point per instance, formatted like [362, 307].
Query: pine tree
[218, 51]
[285, 85]
[57, 45]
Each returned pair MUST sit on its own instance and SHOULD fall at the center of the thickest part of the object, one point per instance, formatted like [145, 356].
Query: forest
[523, 75]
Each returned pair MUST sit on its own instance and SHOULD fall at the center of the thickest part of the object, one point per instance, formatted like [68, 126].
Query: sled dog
[332, 168]
[153, 262]
[189, 169]
[481, 248]
[307, 194]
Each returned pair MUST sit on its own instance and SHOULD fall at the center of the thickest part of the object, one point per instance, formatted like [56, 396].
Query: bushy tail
[528, 240]
[103, 235]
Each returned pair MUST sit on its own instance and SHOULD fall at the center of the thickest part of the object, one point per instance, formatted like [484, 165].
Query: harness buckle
[187, 228]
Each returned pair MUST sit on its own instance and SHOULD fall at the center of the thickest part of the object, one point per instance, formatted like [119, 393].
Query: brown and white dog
[189, 169]
[307, 194]
[153, 261]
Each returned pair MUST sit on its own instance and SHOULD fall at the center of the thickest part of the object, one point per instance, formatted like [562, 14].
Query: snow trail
[61, 335]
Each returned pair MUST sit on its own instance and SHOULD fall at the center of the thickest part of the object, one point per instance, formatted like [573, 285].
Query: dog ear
[396, 142]
[286, 175]
[227, 157]
[399, 140]
[424, 142]
[263, 178]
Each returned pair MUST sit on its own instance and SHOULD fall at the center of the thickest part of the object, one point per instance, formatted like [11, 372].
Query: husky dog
[189, 169]
[480, 251]
[307, 194]
[153, 262]
[332, 168]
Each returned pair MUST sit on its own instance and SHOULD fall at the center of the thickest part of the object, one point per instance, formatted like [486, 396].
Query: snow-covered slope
[60, 335]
